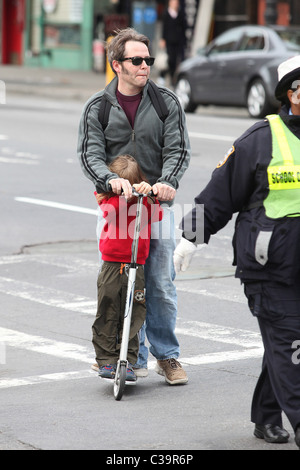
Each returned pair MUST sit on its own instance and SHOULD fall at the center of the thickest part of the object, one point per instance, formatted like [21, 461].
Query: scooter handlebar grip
[150, 194]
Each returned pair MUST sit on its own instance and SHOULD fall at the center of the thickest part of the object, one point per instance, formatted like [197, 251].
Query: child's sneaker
[130, 375]
[108, 371]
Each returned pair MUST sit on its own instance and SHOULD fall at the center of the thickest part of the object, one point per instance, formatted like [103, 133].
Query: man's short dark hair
[116, 46]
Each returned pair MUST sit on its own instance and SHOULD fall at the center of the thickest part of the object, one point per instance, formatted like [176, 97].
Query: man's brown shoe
[172, 371]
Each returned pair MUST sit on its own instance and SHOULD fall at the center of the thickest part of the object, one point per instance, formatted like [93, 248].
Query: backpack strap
[155, 96]
[103, 113]
[158, 101]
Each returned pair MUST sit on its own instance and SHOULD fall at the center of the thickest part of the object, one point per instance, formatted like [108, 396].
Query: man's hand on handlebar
[163, 192]
[120, 185]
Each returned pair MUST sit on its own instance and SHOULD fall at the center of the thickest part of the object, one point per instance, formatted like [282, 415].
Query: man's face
[132, 78]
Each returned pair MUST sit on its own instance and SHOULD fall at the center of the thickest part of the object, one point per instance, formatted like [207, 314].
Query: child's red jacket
[118, 232]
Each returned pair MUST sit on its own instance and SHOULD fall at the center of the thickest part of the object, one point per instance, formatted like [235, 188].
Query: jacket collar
[291, 121]
[111, 88]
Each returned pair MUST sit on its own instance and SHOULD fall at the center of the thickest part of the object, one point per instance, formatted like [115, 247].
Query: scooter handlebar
[134, 192]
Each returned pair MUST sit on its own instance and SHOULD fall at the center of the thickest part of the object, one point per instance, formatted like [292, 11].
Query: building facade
[58, 33]
[12, 30]
[70, 34]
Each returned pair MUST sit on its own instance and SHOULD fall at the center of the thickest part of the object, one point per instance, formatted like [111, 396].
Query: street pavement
[52, 400]
[51, 83]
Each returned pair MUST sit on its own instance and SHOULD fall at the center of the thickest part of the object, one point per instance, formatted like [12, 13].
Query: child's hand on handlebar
[142, 188]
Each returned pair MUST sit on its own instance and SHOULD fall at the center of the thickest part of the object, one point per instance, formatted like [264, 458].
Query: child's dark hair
[125, 166]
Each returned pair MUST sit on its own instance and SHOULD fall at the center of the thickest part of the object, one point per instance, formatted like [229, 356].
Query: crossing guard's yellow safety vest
[283, 199]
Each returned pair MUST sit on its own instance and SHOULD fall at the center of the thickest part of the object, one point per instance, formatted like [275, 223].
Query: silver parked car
[238, 68]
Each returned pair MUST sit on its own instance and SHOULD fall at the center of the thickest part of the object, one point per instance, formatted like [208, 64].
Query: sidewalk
[51, 83]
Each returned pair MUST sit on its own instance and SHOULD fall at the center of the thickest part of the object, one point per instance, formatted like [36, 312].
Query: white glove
[183, 255]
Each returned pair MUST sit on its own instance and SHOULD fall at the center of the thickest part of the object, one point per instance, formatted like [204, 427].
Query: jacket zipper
[134, 142]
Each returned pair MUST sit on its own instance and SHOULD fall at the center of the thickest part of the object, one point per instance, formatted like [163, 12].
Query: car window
[252, 42]
[227, 42]
[291, 39]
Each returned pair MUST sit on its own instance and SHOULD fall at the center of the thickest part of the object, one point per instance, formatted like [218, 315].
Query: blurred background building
[71, 34]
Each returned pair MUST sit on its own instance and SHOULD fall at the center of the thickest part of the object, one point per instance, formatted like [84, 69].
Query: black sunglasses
[139, 60]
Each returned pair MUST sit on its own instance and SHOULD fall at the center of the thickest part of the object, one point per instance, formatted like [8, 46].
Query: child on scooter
[115, 248]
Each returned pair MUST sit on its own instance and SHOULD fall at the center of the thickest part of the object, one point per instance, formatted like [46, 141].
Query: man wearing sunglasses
[162, 149]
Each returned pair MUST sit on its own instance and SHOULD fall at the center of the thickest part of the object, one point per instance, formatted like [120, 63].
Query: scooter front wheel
[120, 379]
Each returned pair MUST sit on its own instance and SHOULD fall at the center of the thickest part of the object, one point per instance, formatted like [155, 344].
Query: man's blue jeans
[161, 297]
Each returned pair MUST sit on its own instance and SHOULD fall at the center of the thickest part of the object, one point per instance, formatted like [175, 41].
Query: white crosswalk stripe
[11, 156]
[45, 378]
[75, 352]
[47, 296]
[43, 345]
[243, 344]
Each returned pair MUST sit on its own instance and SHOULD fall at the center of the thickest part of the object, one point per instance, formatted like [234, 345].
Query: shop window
[62, 27]
[61, 36]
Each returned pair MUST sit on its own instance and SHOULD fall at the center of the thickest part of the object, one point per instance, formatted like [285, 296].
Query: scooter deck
[127, 382]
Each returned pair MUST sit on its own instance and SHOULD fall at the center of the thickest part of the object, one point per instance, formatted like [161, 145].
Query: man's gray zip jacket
[161, 149]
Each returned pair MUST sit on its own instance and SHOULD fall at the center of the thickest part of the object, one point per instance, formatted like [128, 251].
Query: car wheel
[257, 100]
[184, 93]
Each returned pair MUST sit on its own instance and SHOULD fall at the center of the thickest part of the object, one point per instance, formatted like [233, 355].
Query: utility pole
[271, 12]
[203, 24]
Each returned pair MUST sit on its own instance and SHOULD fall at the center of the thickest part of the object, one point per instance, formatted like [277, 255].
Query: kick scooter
[120, 377]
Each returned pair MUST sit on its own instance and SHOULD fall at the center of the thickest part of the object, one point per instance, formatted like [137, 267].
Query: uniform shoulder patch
[227, 155]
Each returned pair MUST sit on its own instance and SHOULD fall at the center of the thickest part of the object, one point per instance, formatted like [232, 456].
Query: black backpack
[155, 96]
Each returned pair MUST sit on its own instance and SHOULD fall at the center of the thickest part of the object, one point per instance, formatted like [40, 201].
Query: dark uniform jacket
[264, 249]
